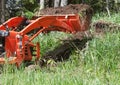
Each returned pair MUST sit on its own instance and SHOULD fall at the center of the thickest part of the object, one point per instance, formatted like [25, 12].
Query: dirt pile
[69, 9]
[104, 26]
[85, 11]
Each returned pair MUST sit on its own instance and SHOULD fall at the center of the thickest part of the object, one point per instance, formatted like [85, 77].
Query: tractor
[17, 34]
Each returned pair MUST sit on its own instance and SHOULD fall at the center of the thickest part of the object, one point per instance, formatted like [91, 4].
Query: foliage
[29, 4]
[28, 14]
[14, 7]
[48, 41]
[17, 8]
[99, 5]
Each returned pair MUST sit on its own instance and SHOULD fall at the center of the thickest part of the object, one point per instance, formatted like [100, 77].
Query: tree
[13, 7]
[2, 9]
[50, 3]
[30, 5]
[42, 4]
[64, 3]
[61, 3]
[56, 3]
[107, 7]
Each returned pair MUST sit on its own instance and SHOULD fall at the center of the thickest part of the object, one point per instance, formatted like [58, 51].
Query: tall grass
[97, 64]
[102, 59]
[50, 41]
[103, 16]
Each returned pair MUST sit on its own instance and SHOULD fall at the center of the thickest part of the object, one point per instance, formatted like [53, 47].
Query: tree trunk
[56, 3]
[2, 9]
[83, 1]
[64, 3]
[107, 7]
[50, 2]
[42, 4]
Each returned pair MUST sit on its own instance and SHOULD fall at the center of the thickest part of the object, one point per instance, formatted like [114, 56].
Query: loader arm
[12, 23]
[57, 23]
[64, 23]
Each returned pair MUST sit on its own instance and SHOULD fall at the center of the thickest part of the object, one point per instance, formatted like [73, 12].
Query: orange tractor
[16, 44]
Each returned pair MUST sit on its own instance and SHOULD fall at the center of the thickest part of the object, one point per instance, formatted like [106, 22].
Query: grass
[103, 16]
[50, 41]
[98, 64]
[102, 59]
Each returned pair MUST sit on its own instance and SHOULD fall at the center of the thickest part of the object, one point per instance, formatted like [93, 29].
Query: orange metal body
[12, 23]
[19, 46]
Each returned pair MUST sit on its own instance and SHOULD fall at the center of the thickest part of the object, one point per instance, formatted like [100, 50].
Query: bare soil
[104, 26]
[69, 9]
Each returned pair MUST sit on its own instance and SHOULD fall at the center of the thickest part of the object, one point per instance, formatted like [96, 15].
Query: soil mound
[69, 9]
[104, 26]
[84, 11]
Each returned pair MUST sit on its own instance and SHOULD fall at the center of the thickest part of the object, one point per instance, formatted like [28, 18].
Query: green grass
[102, 59]
[103, 16]
[50, 41]
[97, 64]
